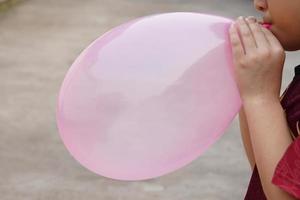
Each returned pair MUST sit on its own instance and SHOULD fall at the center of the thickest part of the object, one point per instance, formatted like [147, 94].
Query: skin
[259, 55]
[285, 18]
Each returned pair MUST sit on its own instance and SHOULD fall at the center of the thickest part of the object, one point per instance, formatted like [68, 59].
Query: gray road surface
[38, 42]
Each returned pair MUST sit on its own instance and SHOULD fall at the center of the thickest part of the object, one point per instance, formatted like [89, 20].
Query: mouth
[267, 25]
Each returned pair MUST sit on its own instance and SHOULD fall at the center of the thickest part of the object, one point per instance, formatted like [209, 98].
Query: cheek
[289, 43]
[288, 36]
[291, 40]
[286, 27]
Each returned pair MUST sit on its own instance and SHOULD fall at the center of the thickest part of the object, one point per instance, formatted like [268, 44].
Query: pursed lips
[265, 24]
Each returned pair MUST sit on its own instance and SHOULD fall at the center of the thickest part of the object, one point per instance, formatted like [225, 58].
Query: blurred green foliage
[6, 4]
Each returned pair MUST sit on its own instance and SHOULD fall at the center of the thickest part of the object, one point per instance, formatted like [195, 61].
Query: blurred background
[39, 40]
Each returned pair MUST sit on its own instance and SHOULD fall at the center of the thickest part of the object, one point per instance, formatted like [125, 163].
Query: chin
[286, 42]
[290, 47]
[287, 45]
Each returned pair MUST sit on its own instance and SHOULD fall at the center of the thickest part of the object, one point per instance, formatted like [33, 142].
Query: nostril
[262, 8]
[261, 5]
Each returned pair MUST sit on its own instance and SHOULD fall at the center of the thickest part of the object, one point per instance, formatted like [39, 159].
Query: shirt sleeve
[287, 171]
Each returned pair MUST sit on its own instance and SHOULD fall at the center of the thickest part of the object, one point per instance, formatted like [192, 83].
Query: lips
[267, 25]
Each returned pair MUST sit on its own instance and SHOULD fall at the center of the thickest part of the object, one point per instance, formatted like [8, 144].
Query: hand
[258, 58]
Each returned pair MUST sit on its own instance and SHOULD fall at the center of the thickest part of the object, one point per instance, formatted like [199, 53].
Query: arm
[270, 138]
[259, 59]
[246, 137]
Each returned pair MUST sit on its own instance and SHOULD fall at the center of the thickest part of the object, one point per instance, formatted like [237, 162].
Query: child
[269, 124]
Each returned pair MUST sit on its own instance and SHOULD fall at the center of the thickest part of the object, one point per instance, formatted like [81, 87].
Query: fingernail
[251, 19]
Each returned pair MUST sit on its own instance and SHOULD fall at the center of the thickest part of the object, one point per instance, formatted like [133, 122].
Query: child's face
[284, 15]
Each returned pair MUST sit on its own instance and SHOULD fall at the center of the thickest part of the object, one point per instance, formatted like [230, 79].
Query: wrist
[260, 101]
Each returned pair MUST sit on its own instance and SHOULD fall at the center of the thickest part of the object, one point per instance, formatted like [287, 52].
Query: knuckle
[247, 33]
[253, 57]
[251, 19]
[242, 62]
[255, 28]
[265, 53]
[234, 41]
[278, 51]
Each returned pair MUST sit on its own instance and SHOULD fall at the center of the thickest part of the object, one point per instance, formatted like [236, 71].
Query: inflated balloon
[149, 96]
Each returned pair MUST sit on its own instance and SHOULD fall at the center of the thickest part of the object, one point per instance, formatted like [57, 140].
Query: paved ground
[38, 42]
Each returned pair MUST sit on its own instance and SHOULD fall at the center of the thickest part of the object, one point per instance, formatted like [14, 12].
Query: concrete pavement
[38, 42]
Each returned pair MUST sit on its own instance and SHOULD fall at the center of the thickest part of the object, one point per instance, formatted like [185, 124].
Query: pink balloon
[149, 96]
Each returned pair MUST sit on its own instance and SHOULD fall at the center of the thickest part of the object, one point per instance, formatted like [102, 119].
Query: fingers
[247, 36]
[258, 34]
[273, 41]
[237, 47]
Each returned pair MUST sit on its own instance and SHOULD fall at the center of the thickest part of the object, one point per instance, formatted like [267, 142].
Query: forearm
[246, 137]
[270, 137]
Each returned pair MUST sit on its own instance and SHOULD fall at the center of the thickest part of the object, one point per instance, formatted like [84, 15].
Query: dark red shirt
[287, 172]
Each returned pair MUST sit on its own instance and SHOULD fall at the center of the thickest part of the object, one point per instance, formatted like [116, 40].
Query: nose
[261, 5]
